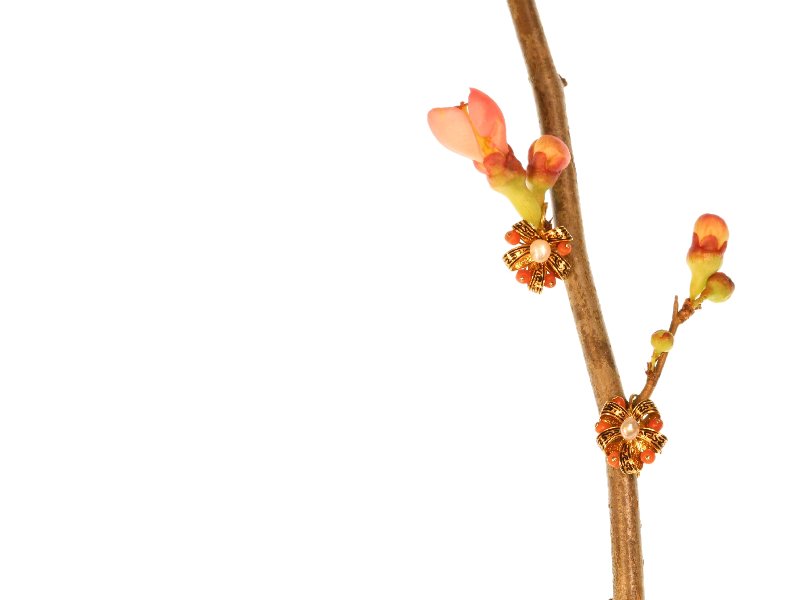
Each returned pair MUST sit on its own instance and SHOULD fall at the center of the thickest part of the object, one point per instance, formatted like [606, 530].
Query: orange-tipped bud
[709, 241]
[710, 233]
[547, 157]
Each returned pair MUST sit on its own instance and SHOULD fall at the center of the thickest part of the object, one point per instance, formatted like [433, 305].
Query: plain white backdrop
[256, 336]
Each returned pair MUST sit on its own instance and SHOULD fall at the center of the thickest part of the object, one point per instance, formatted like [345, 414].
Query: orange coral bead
[601, 426]
[549, 280]
[512, 237]
[648, 456]
[620, 400]
[612, 458]
[524, 276]
[564, 248]
[655, 423]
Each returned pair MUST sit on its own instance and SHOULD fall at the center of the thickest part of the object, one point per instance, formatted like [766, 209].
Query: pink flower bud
[477, 130]
[709, 241]
[547, 157]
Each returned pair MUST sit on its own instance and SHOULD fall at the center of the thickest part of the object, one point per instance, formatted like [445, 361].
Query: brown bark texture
[548, 89]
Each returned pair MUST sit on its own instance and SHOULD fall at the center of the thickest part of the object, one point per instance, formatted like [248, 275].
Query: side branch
[678, 318]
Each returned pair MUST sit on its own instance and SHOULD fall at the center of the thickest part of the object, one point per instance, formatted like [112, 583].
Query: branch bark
[548, 89]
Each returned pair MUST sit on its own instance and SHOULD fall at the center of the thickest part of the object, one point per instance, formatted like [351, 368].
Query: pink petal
[487, 118]
[452, 128]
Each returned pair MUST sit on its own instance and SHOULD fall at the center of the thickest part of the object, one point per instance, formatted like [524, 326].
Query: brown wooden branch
[548, 88]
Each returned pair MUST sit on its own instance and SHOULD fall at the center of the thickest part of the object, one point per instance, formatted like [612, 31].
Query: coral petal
[452, 128]
[487, 118]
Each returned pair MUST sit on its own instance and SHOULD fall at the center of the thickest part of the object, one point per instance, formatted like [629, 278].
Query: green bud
[661, 341]
[719, 288]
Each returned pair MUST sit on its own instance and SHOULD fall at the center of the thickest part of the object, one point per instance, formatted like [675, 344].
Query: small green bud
[719, 288]
[662, 341]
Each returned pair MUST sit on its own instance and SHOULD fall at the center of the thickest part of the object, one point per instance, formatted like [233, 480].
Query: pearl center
[540, 251]
[629, 429]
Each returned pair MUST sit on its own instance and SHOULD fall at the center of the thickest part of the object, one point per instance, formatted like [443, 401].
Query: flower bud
[662, 341]
[477, 130]
[709, 241]
[719, 288]
[474, 129]
[547, 157]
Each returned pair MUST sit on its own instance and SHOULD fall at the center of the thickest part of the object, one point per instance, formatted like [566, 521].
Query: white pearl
[540, 251]
[629, 429]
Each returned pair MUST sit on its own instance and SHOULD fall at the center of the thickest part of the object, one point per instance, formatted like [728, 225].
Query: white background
[256, 339]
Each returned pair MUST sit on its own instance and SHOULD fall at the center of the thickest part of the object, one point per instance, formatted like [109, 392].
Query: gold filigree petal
[522, 261]
[643, 409]
[613, 413]
[609, 438]
[537, 279]
[518, 257]
[526, 231]
[629, 461]
[557, 263]
[653, 438]
[559, 234]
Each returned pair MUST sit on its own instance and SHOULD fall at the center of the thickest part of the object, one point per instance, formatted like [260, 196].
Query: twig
[654, 373]
[548, 88]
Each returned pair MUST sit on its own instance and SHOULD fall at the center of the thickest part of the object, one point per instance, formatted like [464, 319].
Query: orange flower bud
[719, 288]
[710, 233]
[709, 241]
[547, 157]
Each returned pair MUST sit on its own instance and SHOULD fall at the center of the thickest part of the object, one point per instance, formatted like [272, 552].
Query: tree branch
[548, 88]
